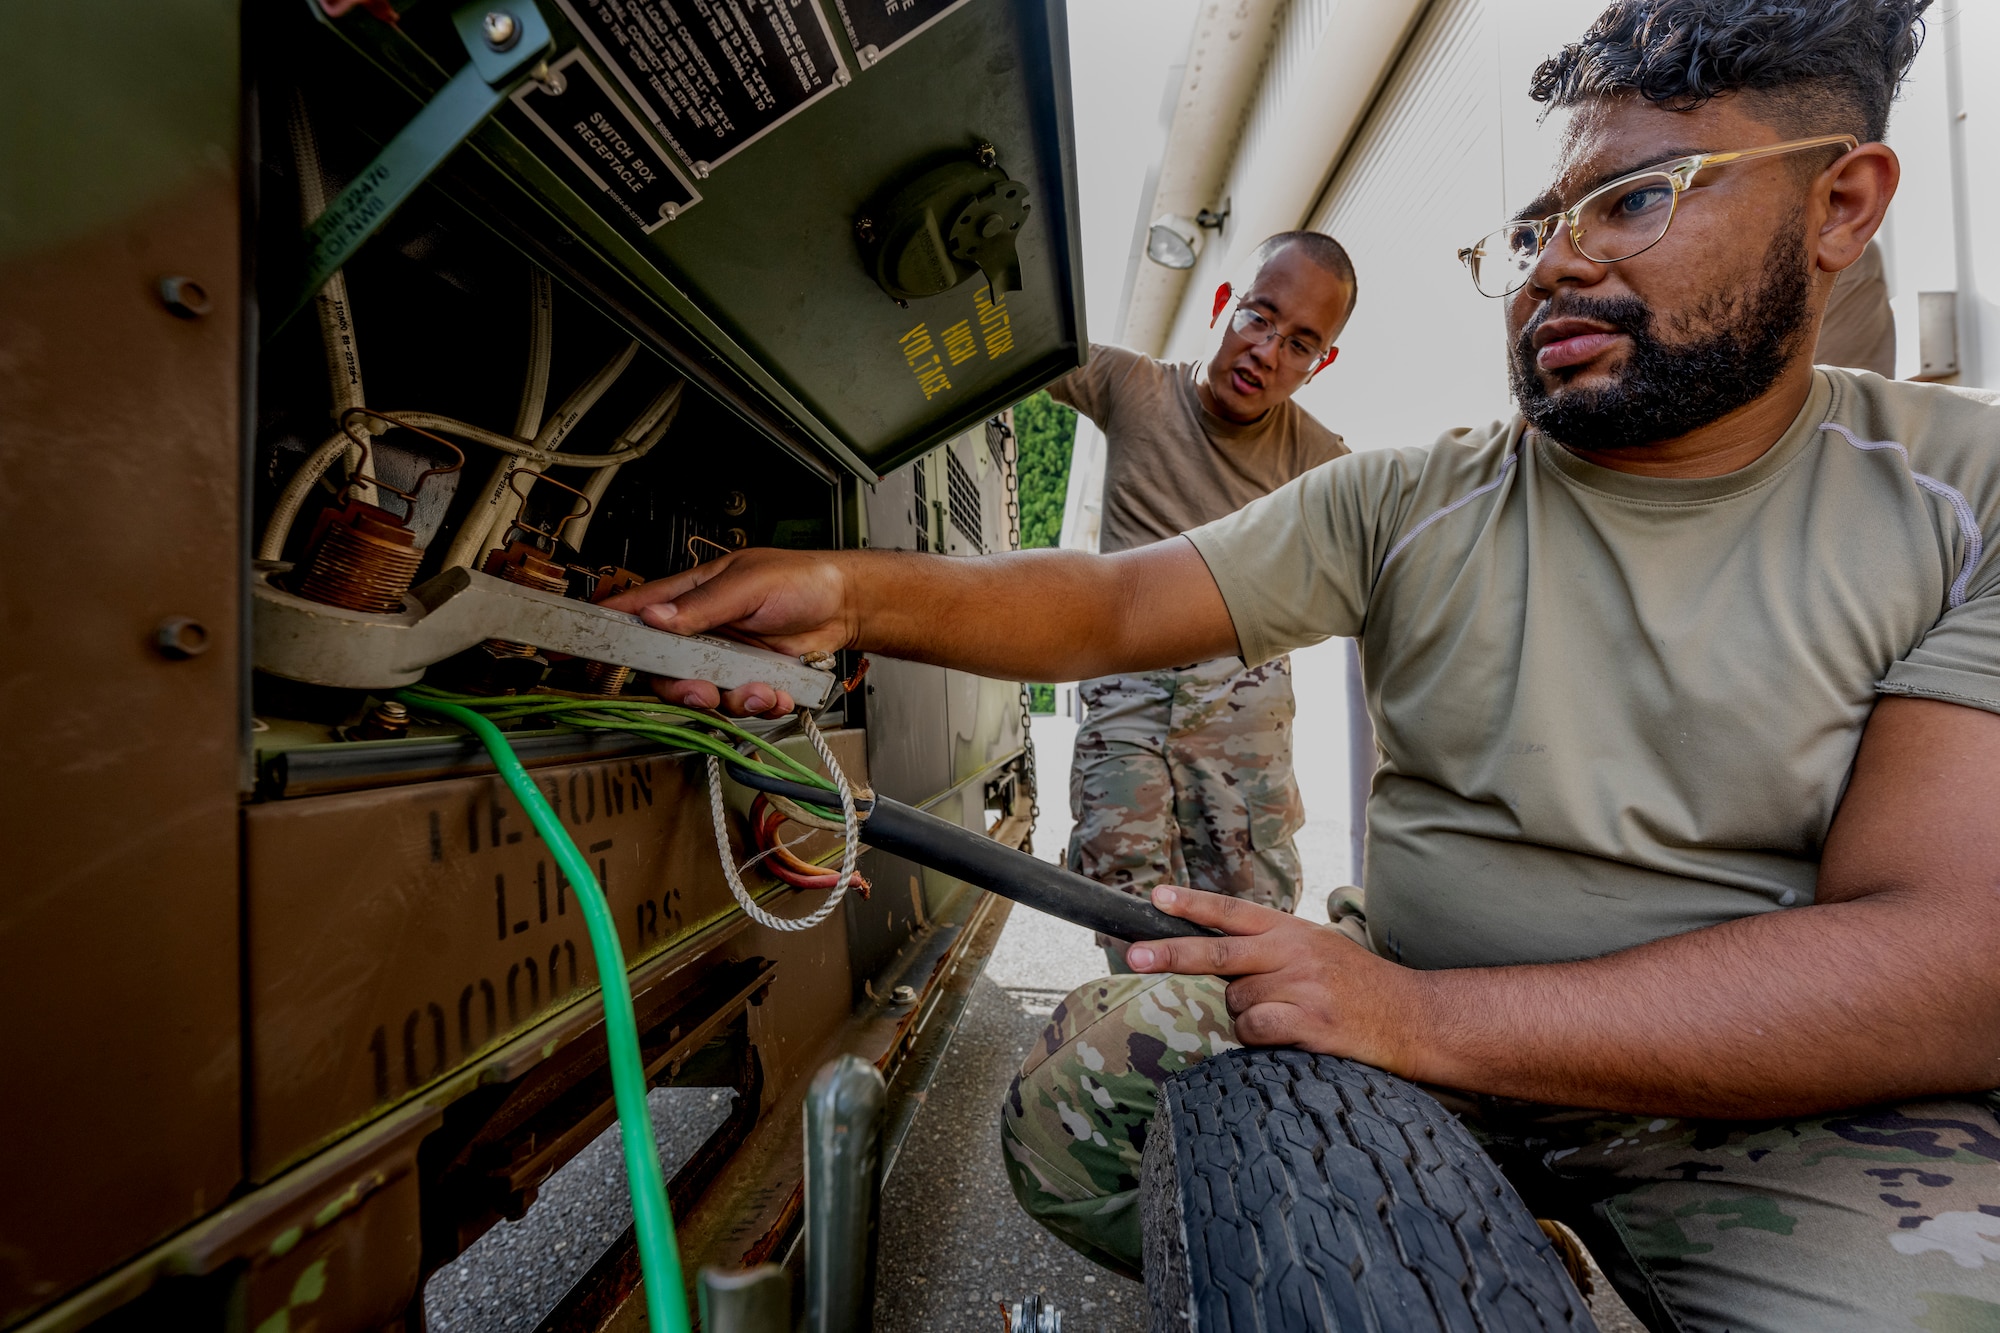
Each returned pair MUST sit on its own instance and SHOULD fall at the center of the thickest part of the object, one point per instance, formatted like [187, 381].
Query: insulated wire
[330, 303]
[652, 1218]
[527, 417]
[851, 827]
[549, 439]
[644, 717]
[641, 717]
[507, 444]
[286, 512]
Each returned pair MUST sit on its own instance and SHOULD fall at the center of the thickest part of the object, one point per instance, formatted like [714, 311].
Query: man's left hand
[1296, 983]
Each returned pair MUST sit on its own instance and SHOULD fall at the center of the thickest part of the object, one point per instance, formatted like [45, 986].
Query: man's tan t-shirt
[1614, 708]
[1170, 464]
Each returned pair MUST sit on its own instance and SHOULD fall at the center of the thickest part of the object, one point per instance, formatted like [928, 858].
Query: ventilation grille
[920, 504]
[965, 507]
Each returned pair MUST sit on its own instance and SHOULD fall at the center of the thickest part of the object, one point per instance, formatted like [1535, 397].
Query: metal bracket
[504, 40]
[329, 645]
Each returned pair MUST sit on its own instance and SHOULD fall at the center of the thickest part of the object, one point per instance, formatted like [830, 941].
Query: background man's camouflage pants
[1185, 777]
[1883, 1218]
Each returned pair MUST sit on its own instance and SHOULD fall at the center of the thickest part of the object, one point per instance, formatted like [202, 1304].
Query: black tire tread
[1292, 1192]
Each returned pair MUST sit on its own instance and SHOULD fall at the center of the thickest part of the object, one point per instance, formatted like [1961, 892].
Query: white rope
[851, 825]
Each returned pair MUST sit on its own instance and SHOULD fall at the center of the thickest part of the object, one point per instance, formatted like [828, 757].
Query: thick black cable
[891, 826]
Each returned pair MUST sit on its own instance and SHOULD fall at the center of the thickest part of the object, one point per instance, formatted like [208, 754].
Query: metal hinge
[506, 41]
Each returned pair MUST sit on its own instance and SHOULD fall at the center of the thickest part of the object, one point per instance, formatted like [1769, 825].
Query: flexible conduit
[652, 1220]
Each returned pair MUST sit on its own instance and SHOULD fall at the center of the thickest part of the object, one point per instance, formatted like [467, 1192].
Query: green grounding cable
[667, 723]
[652, 1220]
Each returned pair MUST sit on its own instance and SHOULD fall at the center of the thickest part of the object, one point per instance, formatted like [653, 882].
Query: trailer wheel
[1302, 1193]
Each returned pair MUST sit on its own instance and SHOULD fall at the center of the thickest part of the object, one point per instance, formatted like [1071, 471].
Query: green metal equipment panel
[863, 210]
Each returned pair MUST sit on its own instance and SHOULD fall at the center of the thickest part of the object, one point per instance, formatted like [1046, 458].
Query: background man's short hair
[1814, 66]
[1321, 249]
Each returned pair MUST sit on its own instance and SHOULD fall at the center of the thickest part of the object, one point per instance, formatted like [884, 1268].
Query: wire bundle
[722, 741]
[684, 728]
[767, 817]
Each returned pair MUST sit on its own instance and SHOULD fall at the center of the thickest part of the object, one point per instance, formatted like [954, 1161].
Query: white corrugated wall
[1423, 350]
[1325, 61]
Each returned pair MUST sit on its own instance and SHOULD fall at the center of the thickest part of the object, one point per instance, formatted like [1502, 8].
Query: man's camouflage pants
[1881, 1218]
[1185, 777]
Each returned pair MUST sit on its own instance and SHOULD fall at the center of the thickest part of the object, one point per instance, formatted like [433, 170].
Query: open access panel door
[864, 209]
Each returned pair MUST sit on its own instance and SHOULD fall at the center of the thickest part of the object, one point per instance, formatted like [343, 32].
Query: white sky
[1121, 54]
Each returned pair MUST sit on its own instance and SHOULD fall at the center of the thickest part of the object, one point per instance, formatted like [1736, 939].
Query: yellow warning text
[995, 330]
[921, 352]
[959, 344]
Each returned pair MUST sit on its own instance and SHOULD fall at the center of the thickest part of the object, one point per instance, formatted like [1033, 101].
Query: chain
[1010, 473]
[850, 826]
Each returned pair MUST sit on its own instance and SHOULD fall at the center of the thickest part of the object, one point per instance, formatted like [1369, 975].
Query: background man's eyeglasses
[1293, 352]
[1612, 222]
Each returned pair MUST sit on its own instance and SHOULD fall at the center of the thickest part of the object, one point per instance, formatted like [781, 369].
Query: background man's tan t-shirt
[1170, 464]
[1858, 331]
[1615, 708]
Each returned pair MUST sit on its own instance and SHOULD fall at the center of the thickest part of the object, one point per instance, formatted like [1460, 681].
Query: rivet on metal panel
[181, 637]
[184, 297]
[501, 30]
[552, 81]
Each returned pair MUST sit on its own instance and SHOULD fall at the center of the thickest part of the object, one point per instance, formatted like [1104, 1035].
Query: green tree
[1046, 430]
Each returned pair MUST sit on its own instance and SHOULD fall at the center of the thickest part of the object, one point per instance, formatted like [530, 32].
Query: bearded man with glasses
[1184, 775]
[1683, 881]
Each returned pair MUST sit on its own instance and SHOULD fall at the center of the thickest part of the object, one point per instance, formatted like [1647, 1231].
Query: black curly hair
[1813, 66]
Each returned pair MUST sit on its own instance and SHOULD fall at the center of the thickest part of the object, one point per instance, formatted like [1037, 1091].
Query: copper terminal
[603, 677]
[521, 562]
[361, 556]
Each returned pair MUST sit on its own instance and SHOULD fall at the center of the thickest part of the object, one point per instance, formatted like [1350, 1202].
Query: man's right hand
[792, 602]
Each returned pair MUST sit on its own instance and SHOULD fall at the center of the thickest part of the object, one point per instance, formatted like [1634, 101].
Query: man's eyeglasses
[1613, 222]
[1293, 352]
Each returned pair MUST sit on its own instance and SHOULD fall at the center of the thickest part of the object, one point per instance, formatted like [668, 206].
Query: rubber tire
[1291, 1193]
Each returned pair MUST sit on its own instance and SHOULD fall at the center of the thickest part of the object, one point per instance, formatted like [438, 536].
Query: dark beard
[1741, 344]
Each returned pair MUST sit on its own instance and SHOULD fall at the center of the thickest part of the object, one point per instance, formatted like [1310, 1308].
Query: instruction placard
[713, 75]
[877, 27]
[605, 155]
